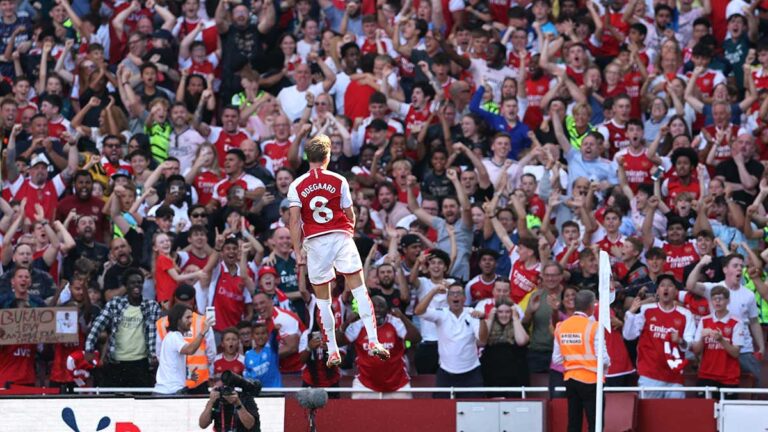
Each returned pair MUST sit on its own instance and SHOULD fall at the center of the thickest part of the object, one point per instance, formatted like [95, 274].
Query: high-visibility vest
[159, 140]
[576, 337]
[762, 304]
[197, 362]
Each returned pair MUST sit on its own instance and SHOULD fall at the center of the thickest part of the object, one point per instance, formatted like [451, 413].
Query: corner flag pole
[604, 290]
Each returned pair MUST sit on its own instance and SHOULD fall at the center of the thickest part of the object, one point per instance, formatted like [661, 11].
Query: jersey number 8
[320, 213]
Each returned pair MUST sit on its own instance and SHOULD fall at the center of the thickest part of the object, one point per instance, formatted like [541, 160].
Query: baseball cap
[264, 270]
[735, 7]
[667, 276]
[285, 203]
[39, 158]
[122, 172]
[409, 239]
[184, 292]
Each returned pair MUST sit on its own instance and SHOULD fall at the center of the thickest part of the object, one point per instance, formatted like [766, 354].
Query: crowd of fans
[493, 149]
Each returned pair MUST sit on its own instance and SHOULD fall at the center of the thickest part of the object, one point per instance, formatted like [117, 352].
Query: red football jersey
[209, 36]
[276, 151]
[638, 169]
[716, 363]
[698, 305]
[535, 90]
[236, 365]
[651, 360]
[379, 376]
[322, 196]
[17, 364]
[675, 188]
[678, 257]
[523, 280]
[477, 289]
[499, 10]
[187, 258]
[723, 148]
[47, 195]
[229, 297]
[415, 119]
[225, 141]
[204, 184]
[621, 364]
[615, 135]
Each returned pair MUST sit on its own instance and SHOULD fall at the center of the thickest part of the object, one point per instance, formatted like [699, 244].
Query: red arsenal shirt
[386, 376]
[716, 363]
[322, 196]
[654, 326]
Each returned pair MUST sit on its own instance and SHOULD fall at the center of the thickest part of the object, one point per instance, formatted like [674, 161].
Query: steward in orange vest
[575, 349]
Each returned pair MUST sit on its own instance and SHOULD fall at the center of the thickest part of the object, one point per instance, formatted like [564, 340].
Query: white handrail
[452, 390]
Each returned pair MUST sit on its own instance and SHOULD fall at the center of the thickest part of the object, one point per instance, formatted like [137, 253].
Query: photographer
[228, 412]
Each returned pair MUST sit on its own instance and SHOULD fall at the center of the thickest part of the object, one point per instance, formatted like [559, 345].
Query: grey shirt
[460, 269]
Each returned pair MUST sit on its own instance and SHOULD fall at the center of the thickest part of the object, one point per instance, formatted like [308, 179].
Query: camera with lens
[226, 390]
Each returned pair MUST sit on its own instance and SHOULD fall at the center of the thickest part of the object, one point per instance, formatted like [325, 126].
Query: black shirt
[393, 299]
[589, 282]
[97, 253]
[437, 186]
[730, 172]
[712, 272]
[224, 413]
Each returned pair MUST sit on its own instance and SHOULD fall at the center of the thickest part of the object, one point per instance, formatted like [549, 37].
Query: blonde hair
[318, 148]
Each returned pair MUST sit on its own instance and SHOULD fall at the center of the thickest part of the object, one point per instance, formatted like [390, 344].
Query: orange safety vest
[576, 337]
[197, 362]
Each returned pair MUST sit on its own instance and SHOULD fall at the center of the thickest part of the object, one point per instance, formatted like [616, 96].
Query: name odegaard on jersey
[317, 186]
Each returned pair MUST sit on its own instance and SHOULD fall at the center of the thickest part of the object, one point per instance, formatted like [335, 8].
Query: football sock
[328, 324]
[365, 310]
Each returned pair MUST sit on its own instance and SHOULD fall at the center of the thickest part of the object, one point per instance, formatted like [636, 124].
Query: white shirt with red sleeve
[322, 197]
[289, 325]
[46, 195]
[246, 181]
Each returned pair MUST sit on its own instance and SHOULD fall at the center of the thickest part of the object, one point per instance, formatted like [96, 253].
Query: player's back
[322, 196]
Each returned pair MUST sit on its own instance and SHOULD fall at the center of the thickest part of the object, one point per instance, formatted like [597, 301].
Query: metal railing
[524, 391]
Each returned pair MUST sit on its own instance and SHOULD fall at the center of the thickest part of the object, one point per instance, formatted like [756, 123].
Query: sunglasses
[198, 215]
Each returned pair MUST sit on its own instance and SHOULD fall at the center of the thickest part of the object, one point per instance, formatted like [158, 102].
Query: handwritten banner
[38, 325]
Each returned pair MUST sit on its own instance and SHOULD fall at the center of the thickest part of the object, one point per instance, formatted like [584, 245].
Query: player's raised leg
[327, 322]
[356, 281]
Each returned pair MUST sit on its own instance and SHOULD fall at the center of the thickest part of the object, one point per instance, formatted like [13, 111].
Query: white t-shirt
[741, 306]
[495, 77]
[172, 369]
[294, 101]
[428, 330]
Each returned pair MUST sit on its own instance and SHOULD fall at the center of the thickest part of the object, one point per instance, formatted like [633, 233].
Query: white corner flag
[604, 293]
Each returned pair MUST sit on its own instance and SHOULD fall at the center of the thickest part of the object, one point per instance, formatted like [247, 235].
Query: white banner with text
[121, 414]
